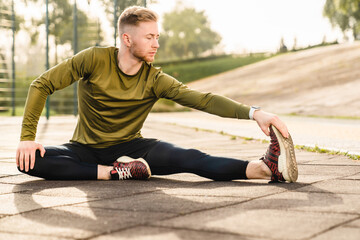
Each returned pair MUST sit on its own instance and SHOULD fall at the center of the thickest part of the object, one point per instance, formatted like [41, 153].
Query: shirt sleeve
[168, 87]
[56, 78]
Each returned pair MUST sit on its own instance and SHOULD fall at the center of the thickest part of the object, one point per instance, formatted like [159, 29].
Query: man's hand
[265, 119]
[25, 154]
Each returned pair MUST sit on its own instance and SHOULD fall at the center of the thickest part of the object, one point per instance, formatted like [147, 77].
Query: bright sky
[249, 25]
[258, 25]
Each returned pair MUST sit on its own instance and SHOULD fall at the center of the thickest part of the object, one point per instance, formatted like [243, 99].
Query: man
[117, 89]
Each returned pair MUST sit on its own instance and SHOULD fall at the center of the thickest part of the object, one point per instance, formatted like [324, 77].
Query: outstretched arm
[168, 87]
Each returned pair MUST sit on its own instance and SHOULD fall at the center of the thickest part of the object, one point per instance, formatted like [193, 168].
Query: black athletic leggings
[75, 161]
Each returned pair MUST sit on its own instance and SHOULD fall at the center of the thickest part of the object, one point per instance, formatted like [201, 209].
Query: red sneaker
[280, 157]
[129, 168]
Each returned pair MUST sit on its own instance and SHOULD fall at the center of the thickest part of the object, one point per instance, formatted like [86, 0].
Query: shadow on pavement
[110, 206]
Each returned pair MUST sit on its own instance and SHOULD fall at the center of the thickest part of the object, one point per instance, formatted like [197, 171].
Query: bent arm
[58, 77]
[168, 87]
[54, 79]
[33, 107]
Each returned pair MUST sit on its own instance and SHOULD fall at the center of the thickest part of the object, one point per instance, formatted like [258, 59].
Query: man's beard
[140, 54]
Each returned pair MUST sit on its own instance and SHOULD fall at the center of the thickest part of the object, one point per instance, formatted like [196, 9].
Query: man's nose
[156, 43]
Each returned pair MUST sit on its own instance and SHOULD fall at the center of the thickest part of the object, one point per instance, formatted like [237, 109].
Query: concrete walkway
[333, 134]
[323, 204]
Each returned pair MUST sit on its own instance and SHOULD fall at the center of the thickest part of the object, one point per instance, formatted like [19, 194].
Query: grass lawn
[194, 70]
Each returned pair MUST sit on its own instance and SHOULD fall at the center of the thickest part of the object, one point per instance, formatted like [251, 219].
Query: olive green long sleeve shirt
[112, 105]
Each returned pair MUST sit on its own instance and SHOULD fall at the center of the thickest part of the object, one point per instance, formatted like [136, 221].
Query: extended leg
[165, 158]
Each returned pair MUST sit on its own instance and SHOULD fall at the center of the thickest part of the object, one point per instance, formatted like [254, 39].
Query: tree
[294, 44]
[120, 6]
[5, 16]
[7, 23]
[345, 14]
[282, 48]
[89, 32]
[186, 33]
[114, 8]
[61, 26]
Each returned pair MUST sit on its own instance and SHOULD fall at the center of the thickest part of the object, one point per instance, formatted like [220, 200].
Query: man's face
[144, 41]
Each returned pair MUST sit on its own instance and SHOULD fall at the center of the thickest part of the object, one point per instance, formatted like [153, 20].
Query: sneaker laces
[274, 142]
[123, 173]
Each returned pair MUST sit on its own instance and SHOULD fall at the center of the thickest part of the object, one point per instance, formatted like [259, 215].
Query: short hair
[134, 15]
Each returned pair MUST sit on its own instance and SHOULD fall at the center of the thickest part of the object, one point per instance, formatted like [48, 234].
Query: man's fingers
[32, 159]
[21, 161]
[265, 120]
[33, 155]
[26, 161]
[266, 131]
[280, 125]
[42, 150]
[285, 133]
[26, 154]
[282, 128]
[17, 158]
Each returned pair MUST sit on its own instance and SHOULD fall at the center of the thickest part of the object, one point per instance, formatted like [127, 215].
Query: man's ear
[126, 39]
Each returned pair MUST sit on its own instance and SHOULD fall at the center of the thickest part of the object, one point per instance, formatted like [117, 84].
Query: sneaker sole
[126, 159]
[287, 162]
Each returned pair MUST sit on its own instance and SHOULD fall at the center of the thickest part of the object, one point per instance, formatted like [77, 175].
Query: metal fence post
[13, 60]
[75, 49]
[47, 55]
[115, 22]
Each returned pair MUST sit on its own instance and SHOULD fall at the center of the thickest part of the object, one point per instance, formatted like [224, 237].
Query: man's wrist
[253, 109]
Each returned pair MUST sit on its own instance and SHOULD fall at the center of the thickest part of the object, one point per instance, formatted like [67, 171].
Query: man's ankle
[257, 169]
[104, 172]
[266, 170]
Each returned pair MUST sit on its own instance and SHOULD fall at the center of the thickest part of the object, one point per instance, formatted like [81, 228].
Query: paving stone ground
[323, 204]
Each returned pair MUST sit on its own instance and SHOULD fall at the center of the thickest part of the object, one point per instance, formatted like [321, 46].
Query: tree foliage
[120, 6]
[186, 33]
[61, 23]
[89, 32]
[6, 16]
[283, 48]
[345, 14]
